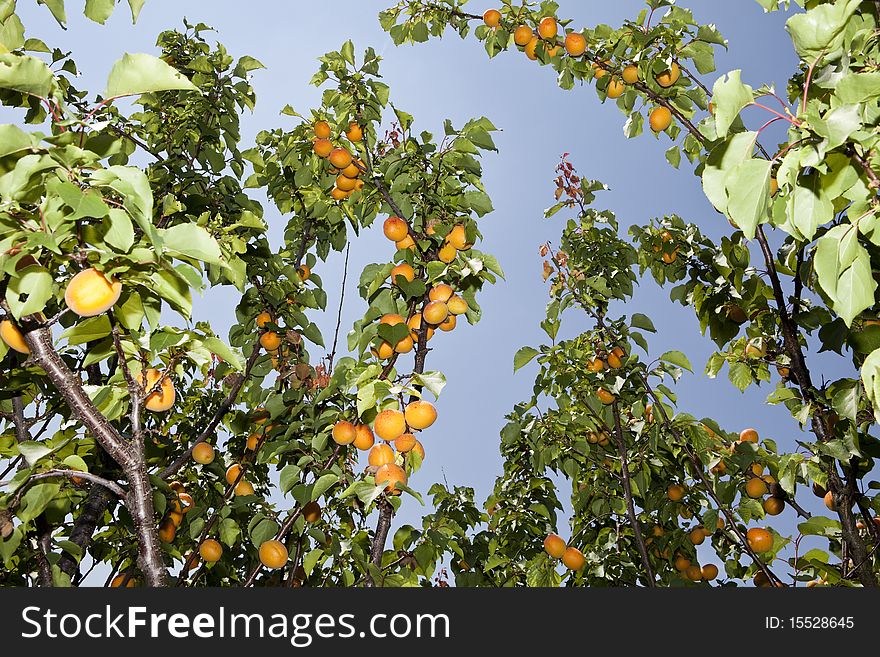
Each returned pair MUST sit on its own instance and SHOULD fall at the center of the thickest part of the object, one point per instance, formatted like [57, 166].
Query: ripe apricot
[176, 518]
[312, 512]
[364, 438]
[675, 492]
[773, 506]
[697, 536]
[760, 540]
[406, 243]
[447, 253]
[389, 424]
[322, 147]
[575, 44]
[419, 449]
[203, 453]
[244, 488]
[573, 559]
[748, 436]
[344, 433]
[448, 324]
[554, 546]
[756, 488]
[161, 399]
[420, 415]
[605, 397]
[344, 183]
[395, 229]
[694, 573]
[668, 77]
[263, 318]
[322, 130]
[681, 563]
[339, 158]
[756, 350]
[384, 352]
[660, 119]
[352, 171]
[404, 270]
[392, 319]
[405, 443]
[354, 132]
[128, 580]
[548, 28]
[522, 35]
[531, 51]
[338, 195]
[441, 292]
[270, 341]
[774, 186]
[492, 17]
[90, 293]
[458, 238]
[13, 338]
[435, 312]
[253, 441]
[761, 580]
[669, 258]
[614, 361]
[232, 473]
[615, 88]
[186, 502]
[210, 550]
[415, 324]
[273, 554]
[596, 365]
[709, 572]
[630, 74]
[457, 305]
[391, 475]
[404, 345]
[829, 501]
[167, 531]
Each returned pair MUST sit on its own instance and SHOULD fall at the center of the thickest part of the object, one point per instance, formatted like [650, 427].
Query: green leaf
[88, 330]
[748, 193]
[99, 10]
[118, 230]
[809, 206]
[222, 350]
[323, 484]
[140, 74]
[34, 283]
[57, 9]
[192, 241]
[33, 451]
[820, 526]
[523, 357]
[871, 380]
[27, 74]
[432, 381]
[229, 531]
[723, 159]
[677, 358]
[843, 267]
[730, 96]
[135, 6]
[820, 30]
[36, 499]
[643, 322]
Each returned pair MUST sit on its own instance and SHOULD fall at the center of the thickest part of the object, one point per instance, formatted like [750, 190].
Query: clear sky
[453, 78]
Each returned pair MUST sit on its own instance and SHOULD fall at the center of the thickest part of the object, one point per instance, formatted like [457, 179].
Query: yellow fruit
[748, 436]
[404, 345]
[395, 228]
[415, 323]
[697, 536]
[312, 512]
[548, 28]
[449, 324]
[389, 425]
[669, 77]
[573, 559]
[232, 473]
[89, 293]
[614, 361]
[458, 238]
[760, 540]
[244, 488]
[391, 475]
[273, 554]
[457, 305]
[406, 243]
[338, 194]
[380, 455]
[756, 488]
[203, 453]
[420, 415]
[344, 433]
[441, 292]
[167, 531]
[774, 186]
[339, 158]
[13, 337]
[709, 572]
[531, 50]
[354, 132]
[681, 563]
[364, 438]
[263, 318]
[419, 449]
[322, 147]
[615, 88]
[210, 550]
[322, 130]
[492, 17]
[829, 501]
[605, 397]
[404, 270]
[575, 44]
[384, 352]
[773, 506]
[447, 253]
[344, 183]
[630, 74]
[660, 119]
[119, 579]
[405, 443]
[304, 272]
[522, 35]
[675, 492]
[270, 341]
[158, 400]
[554, 546]
[435, 312]
[352, 171]
[694, 573]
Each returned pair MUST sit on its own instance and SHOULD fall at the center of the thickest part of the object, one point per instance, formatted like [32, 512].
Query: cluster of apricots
[663, 247]
[697, 535]
[347, 168]
[606, 360]
[571, 557]
[575, 45]
[88, 294]
[176, 509]
[398, 231]
[392, 427]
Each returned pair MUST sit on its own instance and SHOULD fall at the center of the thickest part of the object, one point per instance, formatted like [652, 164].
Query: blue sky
[538, 121]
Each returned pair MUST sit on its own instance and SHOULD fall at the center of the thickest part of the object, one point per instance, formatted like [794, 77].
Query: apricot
[273, 554]
[492, 17]
[554, 546]
[630, 74]
[697, 536]
[244, 488]
[253, 441]
[127, 580]
[675, 492]
[614, 361]
[457, 305]
[531, 51]
[441, 292]
[522, 35]
[596, 365]
[90, 293]
[344, 183]
[186, 501]
[681, 563]
[404, 345]
[312, 512]
[406, 243]
[756, 350]
[404, 270]
[420, 415]
[660, 119]
[458, 238]
[339, 158]
[694, 573]
[774, 186]
[232, 473]
[575, 44]
[270, 341]
[392, 319]
[573, 559]
[167, 531]
[760, 540]
[829, 501]
[435, 312]
[761, 580]
[391, 475]
[447, 253]
[449, 324]
[615, 88]
[263, 318]
[338, 195]
[709, 572]
[354, 132]
[669, 258]
[605, 397]
[389, 424]
[756, 488]
[757, 469]
[548, 28]
[405, 443]
[203, 453]
[773, 506]
[395, 229]
[384, 352]
[415, 324]
[159, 400]
[748, 436]
[322, 147]
[176, 518]
[322, 130]
[668, 77]
[13, 338]
[210, 550]
[364, 438]
[419, 449]
[344, 433]
[352, 171]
